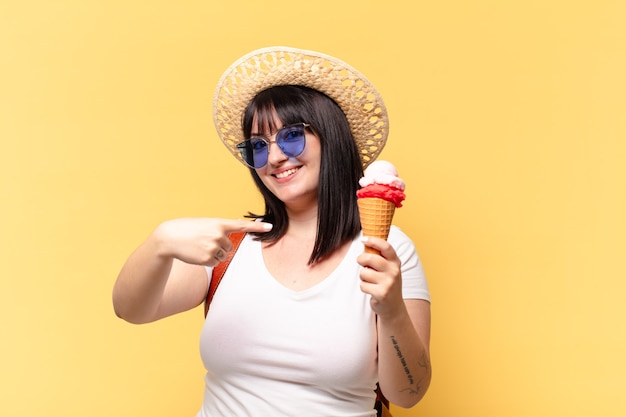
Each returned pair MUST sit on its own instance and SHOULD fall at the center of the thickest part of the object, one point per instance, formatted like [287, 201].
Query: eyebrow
[263, 135]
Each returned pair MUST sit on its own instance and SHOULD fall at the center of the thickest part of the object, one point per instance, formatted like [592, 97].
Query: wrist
[160, 242]
[395, 316]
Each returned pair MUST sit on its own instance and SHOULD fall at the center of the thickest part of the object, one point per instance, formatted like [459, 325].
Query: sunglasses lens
[254, 152]
[291, 140]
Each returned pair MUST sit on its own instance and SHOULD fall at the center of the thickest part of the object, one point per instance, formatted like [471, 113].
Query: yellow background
[508, 122]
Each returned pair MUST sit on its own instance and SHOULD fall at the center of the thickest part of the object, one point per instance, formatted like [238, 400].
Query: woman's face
[293, 180]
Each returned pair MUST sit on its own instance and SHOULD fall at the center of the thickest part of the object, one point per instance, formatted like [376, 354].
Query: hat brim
[274, 66]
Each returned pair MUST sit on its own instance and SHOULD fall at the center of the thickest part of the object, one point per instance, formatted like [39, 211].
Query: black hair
[340, 169]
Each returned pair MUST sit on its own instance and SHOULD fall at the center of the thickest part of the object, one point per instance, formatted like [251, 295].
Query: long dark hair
[340, 169]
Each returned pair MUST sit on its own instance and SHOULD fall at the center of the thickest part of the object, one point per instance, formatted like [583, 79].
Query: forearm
[403, 360]
[140, 285]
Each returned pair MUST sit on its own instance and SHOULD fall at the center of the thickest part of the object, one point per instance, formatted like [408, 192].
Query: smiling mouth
[285, 174]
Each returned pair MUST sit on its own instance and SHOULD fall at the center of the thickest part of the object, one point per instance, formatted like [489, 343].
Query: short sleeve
[414, 284]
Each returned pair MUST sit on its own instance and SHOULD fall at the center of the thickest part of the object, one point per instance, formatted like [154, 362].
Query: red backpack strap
[220, 269]
[382, 404]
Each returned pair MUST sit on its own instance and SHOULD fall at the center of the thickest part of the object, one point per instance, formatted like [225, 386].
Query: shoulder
[396, 234]
[402, 243]
[414, 284]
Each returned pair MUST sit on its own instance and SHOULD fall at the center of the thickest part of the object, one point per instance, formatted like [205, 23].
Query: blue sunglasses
[290, 139]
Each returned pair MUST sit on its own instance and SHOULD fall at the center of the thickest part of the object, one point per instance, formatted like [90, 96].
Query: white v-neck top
[272, 351]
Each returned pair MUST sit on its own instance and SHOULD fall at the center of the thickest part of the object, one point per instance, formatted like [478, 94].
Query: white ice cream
[382, 172]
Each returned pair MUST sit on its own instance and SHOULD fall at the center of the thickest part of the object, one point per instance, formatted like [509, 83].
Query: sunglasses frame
[245, 146]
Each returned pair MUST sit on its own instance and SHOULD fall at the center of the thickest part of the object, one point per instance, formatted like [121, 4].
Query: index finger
[379, 246]
[246, 226]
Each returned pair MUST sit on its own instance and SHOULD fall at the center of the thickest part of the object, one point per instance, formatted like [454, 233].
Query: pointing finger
[247, 226]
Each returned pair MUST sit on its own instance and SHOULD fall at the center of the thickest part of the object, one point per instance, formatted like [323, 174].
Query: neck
[302, 222]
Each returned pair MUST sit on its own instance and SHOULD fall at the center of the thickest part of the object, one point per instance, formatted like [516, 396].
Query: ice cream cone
[376, 216]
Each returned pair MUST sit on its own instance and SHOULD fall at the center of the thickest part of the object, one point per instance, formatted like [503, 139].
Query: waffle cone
[376, 216]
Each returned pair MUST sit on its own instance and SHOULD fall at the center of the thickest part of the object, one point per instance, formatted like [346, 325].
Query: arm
[166, 275]
[404, 369]
[403, 354]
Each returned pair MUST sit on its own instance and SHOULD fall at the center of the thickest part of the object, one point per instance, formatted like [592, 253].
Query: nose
[274, 154]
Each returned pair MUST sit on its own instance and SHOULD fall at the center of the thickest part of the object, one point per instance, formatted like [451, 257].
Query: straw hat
[268, 67]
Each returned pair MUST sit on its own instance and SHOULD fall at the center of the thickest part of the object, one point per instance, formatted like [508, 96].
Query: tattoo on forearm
[415, 386]
[407, 371]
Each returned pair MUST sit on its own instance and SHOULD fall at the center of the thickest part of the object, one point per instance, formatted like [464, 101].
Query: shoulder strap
[220, 269]
[382, 404]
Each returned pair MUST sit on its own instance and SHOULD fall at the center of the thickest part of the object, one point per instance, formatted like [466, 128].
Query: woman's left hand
[381, 277]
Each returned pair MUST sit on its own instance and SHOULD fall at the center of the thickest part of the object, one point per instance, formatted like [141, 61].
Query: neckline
[332, 276]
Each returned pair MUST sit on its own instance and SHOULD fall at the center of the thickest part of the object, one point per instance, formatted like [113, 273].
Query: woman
[304, 323]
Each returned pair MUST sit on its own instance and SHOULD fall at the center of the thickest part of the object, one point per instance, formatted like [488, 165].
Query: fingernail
[364, 239]
[268, 226]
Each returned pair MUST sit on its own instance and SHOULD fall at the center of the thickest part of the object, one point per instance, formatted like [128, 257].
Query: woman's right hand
[165, 275]
[201, 241]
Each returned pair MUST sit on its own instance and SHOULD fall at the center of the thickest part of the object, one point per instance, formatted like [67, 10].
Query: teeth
[287, 173]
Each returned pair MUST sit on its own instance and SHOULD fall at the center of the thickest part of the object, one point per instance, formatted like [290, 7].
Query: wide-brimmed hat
[273, 66]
